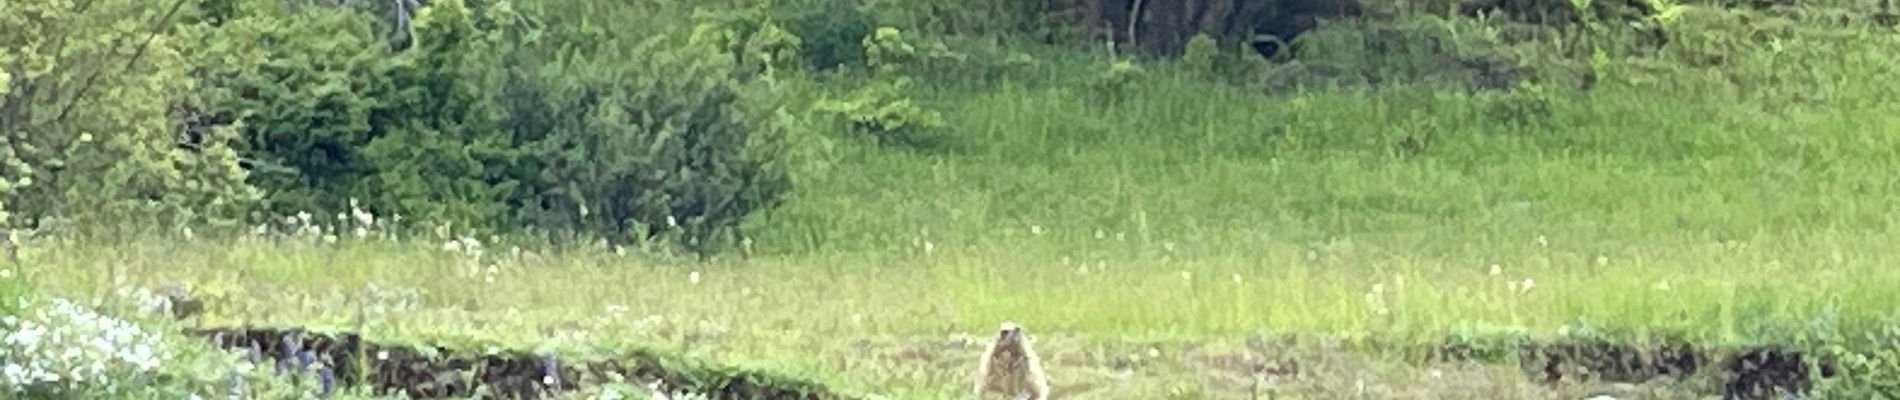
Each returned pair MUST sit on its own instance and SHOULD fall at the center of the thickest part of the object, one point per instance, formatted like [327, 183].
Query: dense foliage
[1084, 143]
[451, 114]
[657, 120]
[99, 117]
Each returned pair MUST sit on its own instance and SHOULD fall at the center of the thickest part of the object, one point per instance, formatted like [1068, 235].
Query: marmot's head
[1009, 333]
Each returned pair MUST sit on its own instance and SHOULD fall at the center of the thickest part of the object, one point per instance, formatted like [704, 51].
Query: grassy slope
[1192, 213]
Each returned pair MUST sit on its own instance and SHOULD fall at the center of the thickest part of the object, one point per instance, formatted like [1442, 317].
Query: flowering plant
[58, 349]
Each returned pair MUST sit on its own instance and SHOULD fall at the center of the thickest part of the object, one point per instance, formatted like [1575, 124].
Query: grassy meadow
[1185, 240]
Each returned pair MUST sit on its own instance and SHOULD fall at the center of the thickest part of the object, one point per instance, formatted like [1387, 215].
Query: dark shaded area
[1163, 27]
[1603, 360]
[1767, 372]
[1558, 12]
[1745, 373]
[345, 359]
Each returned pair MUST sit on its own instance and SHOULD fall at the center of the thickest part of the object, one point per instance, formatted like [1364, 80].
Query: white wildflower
[60, 341]
[693, 277]
[363, 217]
[1495, 270]
[1035, 229]
[471, 245]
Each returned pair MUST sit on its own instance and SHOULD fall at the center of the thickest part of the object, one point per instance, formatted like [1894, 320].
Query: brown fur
[1010, 367]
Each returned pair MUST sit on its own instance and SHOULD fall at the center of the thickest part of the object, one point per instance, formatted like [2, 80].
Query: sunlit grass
[809, 314]
[1191, 214]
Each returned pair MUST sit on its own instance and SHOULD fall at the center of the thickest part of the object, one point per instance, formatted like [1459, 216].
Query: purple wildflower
[551, 372]
[326, 377]
[304, 359]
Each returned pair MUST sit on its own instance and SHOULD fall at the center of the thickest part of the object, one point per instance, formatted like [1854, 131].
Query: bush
[830, 30]
[754, 39]
[62, 350]
[440, 153]
[652, 139]
[307, 111]
[888, 51]
[883, 111]
[90, 130]
[1200, 53]
[334, 116]
[1114, 83]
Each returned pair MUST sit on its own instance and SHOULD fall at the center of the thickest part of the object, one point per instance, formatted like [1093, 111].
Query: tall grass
[1188, 211]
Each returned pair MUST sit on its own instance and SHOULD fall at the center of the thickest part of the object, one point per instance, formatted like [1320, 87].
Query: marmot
[1010, 368]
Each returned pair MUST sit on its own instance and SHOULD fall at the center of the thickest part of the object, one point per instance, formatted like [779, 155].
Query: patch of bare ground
[1257, 367]
[422, 371]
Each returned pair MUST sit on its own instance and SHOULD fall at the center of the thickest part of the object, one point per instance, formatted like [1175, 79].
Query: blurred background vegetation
[1425, 138]
[630, 121]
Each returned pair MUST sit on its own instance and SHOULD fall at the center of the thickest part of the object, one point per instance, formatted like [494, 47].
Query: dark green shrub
[334, 115]
[1117, 80]
[832, 31]
[652, 139]
[440, 153]
[884, 111]
[89, 129]
[755, 40]
[307, 110]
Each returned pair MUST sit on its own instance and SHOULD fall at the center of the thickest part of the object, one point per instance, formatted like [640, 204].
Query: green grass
[1192, 215]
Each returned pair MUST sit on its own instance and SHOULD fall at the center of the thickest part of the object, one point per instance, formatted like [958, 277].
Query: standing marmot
[1010, 368]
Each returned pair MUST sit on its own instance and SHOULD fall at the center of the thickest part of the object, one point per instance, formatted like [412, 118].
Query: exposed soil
[439, 372]
[1746, 373]
[1766, 372]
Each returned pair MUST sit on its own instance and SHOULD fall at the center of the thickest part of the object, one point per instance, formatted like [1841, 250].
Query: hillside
[843, 199]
